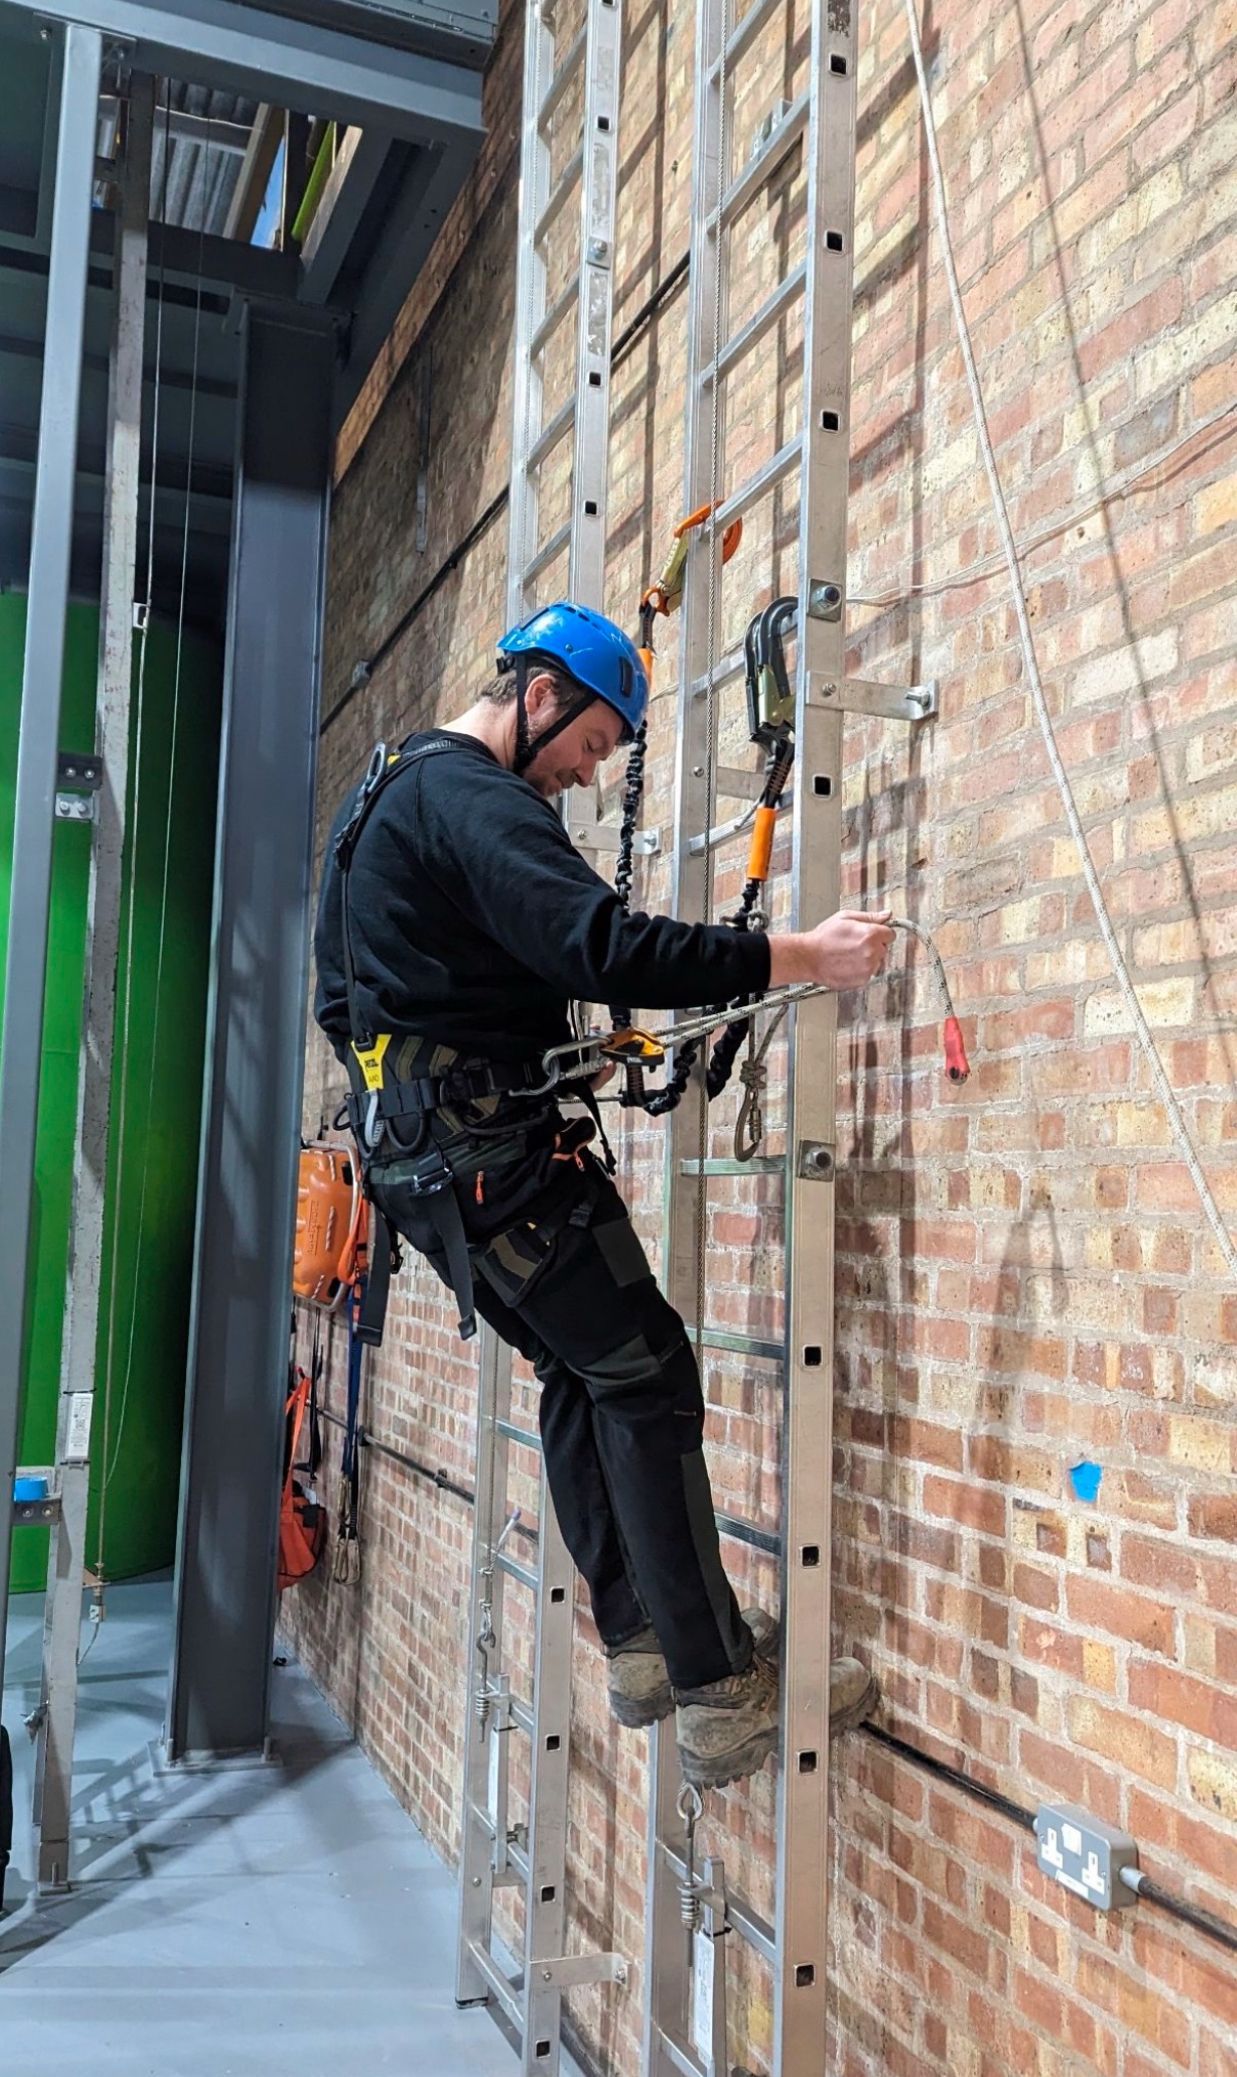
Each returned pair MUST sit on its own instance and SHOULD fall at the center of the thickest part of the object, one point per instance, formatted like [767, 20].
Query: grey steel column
[238, 1335]
[62, 1618]
[21, 1043]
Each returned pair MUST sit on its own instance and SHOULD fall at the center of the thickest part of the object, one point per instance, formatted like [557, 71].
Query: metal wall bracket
[75, 807]
[892, 702]
[569, 1971]
[84, 774]
[592, 835]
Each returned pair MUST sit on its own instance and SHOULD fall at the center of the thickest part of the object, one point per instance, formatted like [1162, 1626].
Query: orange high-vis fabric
[330, 1224]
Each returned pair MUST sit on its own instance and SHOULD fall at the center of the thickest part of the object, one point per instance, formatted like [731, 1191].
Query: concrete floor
[233, 1923]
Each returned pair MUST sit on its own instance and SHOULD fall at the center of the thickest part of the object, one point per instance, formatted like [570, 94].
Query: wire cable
[152, 1081]
[143, 631]
[1150, 1051]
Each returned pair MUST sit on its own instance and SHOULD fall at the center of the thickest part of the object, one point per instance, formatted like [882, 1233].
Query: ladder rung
[554, 317]
[751, 492]
[514, 1570]
[559, 84]
[500, 1986]
[759, 1165]
[550, 435]
[521, 1715]
[748, 1533]
[514, 1433]
[738, 1344]
[750, 334]
[757, 171]
[726, 668]
[558, 196]
[746, 33]
[545, 555]
[756, 1930]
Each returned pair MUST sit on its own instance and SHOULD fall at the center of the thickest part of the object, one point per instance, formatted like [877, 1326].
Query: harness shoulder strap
[384, 767]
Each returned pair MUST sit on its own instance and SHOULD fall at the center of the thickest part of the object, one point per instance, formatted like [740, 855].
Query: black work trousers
[560, 1274]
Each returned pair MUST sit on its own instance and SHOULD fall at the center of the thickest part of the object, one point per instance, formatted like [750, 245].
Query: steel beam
[34, 820]
[238, 1330]
[296, 64]
[63, 1607]
[411, 225]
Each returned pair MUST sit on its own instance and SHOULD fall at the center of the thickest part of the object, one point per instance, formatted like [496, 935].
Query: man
[448, 954]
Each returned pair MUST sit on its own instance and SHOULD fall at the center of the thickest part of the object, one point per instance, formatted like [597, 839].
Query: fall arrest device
[771, 713]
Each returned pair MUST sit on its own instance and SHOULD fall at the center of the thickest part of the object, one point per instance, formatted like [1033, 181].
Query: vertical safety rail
[562, 73]
[685, 2034]
[57, 1712]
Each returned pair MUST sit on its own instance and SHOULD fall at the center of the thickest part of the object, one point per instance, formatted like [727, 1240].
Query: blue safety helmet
[590, 650]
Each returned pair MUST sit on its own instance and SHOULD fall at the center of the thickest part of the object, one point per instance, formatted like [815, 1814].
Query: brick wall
[1025, 1280]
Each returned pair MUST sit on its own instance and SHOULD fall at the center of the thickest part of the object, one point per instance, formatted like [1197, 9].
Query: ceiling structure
[237, 82]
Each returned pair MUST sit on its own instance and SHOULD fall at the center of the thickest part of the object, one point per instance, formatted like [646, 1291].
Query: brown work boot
[853, 1695]
[640, 1690]
[853, 1691]
[729, 1728]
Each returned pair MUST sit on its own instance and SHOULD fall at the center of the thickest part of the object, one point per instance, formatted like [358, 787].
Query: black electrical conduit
[364, 671]
[1150, 1892]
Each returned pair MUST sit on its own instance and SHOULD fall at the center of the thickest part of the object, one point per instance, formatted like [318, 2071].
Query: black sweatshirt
[474, 920]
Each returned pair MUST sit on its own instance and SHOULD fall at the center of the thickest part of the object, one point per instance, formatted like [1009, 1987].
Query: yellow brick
[1019, 922]
[1099, 1666]
[1164, 1003]
[1201, 1444]
[1213, 1782]
[1216, 506]
[1142, 1125]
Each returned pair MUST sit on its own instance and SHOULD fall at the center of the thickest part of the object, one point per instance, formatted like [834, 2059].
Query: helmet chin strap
[527, 747]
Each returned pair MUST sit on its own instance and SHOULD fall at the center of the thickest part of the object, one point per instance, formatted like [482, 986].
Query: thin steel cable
[1164, 1089]
[714, 547]
[153, 1077]
[134, 816]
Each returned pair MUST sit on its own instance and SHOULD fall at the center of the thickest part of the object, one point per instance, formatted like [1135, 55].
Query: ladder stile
[802, 1897]
[820, 284]
[531, 2001]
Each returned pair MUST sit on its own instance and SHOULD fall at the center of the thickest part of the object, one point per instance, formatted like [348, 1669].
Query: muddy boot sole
[642, 1715]
[720, 1769]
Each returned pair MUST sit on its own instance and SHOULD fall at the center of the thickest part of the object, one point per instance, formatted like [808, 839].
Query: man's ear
[540, 694]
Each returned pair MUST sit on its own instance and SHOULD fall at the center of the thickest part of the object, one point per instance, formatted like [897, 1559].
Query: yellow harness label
[370, 1062]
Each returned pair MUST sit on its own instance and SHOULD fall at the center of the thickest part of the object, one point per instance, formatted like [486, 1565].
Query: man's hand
[844, 951]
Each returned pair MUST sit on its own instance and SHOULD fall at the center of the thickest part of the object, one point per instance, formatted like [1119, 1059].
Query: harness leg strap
[378, 1282]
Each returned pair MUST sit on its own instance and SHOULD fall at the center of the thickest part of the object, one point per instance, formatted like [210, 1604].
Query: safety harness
[390, 1118]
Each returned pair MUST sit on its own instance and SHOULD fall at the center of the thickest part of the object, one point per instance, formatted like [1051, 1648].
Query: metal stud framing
[492, 1855]
[795, 1944]
[47, 604]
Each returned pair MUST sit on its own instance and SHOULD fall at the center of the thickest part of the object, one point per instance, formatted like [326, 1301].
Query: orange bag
[302, 1520]
[331, 1224]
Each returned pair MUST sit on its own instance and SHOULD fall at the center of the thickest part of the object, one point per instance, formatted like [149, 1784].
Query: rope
[710, 762]
[1164, 1089]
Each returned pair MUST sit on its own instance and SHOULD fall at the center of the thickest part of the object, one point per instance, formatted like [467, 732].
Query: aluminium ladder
[686, 2014]
[558, 517]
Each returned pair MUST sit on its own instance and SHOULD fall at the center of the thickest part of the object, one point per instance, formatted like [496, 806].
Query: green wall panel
[156, 1092]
